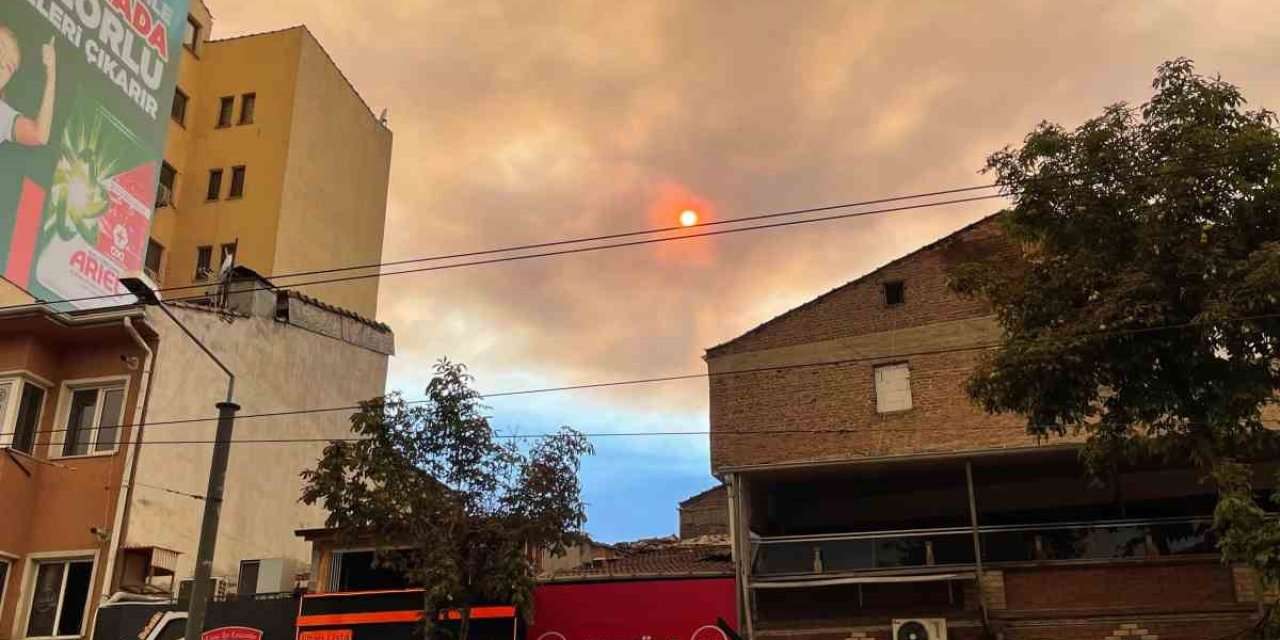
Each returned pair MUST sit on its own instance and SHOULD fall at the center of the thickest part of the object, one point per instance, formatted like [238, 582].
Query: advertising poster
[86, 88]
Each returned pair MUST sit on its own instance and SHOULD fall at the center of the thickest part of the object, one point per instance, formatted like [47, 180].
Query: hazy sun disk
[688, 218]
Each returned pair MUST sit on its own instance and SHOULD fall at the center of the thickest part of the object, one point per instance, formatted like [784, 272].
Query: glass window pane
[75, 598]
[215, 184]
[44, 599]
[247, 585]
[237, 183]
[225, 107]
[84, 404]
[6, 392]
[247, 103]
[4, 577]
[24, 437]
[174, 630]
[109, 423]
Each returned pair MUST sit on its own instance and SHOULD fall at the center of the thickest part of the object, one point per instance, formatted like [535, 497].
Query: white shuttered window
[893, 387]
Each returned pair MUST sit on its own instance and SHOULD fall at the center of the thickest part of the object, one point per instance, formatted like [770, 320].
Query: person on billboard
[13, 125]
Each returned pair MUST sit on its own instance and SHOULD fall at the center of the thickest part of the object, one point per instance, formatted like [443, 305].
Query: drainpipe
[131, 457]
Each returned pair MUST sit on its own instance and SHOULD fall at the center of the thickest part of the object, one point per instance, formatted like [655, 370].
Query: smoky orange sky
[524, 121]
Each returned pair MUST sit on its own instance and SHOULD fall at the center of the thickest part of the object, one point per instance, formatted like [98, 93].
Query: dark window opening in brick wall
[895, 293]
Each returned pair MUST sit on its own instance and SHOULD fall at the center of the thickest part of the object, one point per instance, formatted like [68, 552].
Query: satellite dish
[913, 630]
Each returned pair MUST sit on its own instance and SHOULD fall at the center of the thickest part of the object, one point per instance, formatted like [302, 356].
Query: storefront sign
[232, 633]
[326, 634]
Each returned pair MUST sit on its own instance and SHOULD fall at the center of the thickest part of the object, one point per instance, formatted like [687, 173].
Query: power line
[695, 376]
[571, 241]
[545, 254]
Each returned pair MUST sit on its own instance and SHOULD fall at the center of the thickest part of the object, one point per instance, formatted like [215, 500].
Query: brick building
[705, 514]
[864, 487]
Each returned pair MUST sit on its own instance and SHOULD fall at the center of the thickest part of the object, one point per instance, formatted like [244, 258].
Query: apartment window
[179, 110]
[247, 103]
[204, 255]
[59, 598]
[155, 254]
[93, 420]
[360, 571]
[237, 182]
[248, 582]
[228, 251]
[226, 107]
[895, 293]
[20, 405]
[168, 178]
[215, 185]
[893, 387]
[191, 37]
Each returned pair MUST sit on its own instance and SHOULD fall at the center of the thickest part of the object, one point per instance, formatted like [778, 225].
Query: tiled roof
[380, 326]
[671, 561]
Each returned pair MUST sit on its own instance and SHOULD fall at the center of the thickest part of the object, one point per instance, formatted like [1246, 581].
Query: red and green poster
[85, 93]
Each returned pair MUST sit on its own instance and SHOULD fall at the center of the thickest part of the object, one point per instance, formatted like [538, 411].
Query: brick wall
[858, 308]
[1173, 587]
[770, 416]
[706, 514]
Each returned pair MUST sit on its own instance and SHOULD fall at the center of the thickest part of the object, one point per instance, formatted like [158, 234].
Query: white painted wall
[279, 367]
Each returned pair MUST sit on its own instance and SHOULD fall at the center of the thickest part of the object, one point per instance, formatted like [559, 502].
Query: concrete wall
[279, 367]
[828, 412]
[334, 202]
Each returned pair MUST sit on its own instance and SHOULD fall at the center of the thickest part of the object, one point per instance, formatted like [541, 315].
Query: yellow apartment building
[272, 156]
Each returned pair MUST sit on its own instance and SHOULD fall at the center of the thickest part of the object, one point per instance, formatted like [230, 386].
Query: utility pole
[227, 409]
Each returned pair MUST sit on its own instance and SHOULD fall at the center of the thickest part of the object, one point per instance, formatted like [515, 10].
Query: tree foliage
[449, 506]
[1144, 310]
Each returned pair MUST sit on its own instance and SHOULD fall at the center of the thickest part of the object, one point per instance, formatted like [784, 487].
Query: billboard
[681, 609]
[86, 88]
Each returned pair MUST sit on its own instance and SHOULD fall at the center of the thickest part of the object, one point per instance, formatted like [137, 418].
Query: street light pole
[217, 469]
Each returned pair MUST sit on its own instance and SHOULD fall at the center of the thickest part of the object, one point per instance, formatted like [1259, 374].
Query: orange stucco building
[59, 489]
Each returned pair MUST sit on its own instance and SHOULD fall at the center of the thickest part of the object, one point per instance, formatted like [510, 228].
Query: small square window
[215, 185]
[226, 106]
[179, 110]
[237, 182]
[894, 293]
[248, 102]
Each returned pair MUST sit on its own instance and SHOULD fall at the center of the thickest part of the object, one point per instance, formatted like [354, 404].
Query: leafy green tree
[1144, 308]
[448, 506]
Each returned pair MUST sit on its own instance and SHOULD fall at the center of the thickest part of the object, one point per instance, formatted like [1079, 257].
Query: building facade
[107, 416]
[866, 493]
[108, 437]
[273, 156]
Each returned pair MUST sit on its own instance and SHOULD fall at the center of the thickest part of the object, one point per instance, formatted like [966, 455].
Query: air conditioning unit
[217, 590]
[920, 629]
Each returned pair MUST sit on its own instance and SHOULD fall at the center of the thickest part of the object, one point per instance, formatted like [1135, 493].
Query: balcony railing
[842, 553]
